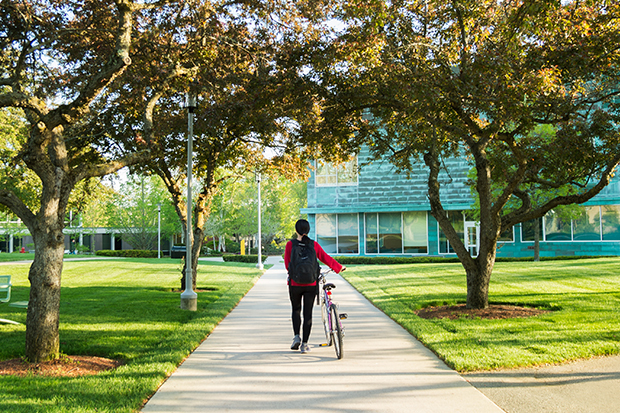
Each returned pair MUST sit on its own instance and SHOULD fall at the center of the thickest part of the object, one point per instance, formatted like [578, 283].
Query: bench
[5, 295]
[5, 288]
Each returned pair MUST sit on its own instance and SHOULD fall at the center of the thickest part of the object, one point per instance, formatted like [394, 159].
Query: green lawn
[16, 256]
[584, 296]
[120, 309]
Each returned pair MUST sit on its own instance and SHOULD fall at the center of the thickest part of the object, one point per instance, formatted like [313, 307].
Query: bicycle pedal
[344, 316]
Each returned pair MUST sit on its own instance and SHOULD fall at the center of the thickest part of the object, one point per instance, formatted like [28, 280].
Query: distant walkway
[245, 365]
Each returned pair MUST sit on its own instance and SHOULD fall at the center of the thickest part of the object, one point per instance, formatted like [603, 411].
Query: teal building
[369, 208]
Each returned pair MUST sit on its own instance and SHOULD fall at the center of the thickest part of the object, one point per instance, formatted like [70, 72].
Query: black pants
[307, 296]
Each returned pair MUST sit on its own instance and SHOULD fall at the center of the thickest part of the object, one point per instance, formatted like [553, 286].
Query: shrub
[128, 253]
[243, 258]
[377, 260]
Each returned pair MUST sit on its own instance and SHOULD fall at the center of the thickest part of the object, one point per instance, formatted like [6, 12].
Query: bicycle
[332, 325]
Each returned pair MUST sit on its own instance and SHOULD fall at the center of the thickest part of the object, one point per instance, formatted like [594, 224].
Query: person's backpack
[303, 267]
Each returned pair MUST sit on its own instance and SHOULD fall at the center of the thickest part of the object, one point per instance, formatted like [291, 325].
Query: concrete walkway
[246, 365]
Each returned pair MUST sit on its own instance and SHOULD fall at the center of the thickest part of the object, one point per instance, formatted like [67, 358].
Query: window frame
[543, 234]
[337, 237]
[338, 169]
[402, 235]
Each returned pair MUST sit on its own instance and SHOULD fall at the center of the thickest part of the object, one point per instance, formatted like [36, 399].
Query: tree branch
[18, 207]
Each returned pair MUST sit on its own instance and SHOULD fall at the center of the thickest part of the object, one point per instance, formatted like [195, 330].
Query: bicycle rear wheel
[325, 319]
[336, 330]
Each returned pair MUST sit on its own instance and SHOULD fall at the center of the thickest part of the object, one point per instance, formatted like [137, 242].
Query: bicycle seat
[328, 286]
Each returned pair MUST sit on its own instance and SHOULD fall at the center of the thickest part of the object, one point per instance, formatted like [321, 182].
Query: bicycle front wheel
[325, 319]
[336, 330]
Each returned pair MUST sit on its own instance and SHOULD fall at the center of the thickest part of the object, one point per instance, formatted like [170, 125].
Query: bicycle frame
[332, 325]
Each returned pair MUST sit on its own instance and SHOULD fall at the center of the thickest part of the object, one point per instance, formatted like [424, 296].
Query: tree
[133, 211]
[427, 80]
[223, 52]
[237, 203]
[57, 60]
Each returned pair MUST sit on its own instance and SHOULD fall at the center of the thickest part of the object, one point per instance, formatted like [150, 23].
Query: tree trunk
[478, 270]
[478, 278]
[42, 337]
[537, 240]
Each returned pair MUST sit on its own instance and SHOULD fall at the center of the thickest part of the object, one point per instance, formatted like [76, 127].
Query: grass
[121, 309]
[16, 256]
[584, 296]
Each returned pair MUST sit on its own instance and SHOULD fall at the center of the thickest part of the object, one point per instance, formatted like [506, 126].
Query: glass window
[390, 238]
[528, 228]
[341, 174]
[338, 233]
[372, 246]
[415, 236]
[326, 232]
[348, 234]
[587, 226]
[507, 235]
[458, 223]
[326, 174]
[611, 222]
[347, 172]
[557, 228]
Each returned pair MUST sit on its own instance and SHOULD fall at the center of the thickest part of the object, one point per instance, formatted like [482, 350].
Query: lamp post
[158, 231]
[189, 299]
[260, 258]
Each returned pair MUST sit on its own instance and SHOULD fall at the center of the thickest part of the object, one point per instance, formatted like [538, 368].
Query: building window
[507, 235]
[611, 222]
[396, 233]
[372, 234]
[338, 233]
[587, 227]
[415, 234]
[390, 233]
[557, 228]
[328, 174]
[326, 232]
[592, 223]
[458, 223]
[528, 229]
[348, 234]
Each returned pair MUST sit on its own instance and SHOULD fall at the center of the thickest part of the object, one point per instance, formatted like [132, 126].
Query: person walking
[300, 259]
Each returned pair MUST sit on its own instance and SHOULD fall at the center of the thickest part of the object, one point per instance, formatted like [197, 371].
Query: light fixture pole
[189, 299]
[158, 231]
[260, 258]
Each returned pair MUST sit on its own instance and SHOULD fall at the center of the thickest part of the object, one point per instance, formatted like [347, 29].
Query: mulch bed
[493, 312]
[69, 366]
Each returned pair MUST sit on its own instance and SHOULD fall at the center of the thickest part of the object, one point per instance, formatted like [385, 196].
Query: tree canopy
[526, 90]
[57, 60]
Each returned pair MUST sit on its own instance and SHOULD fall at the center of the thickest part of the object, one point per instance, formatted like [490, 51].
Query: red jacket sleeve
[324, 258]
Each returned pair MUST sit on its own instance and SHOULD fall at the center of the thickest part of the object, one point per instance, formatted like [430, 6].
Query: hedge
[349, 260]
[128, 253]
[243, 258]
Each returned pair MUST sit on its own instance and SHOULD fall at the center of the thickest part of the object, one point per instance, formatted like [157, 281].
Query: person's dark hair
[302, 227]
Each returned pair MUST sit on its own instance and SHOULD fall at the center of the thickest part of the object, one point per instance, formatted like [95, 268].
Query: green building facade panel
[381, 189]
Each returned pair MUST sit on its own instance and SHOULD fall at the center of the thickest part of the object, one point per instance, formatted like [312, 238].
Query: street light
[260, 258]
[158, 231]
[189, 299]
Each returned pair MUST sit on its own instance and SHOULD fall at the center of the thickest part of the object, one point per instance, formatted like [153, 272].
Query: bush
[348, 260]
[128, 253]
[243, 258]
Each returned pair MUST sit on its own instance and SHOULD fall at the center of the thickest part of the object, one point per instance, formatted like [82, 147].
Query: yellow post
[242, 247]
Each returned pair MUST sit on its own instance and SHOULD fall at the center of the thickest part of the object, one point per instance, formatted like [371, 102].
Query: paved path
[245, 365]
[587, 386]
